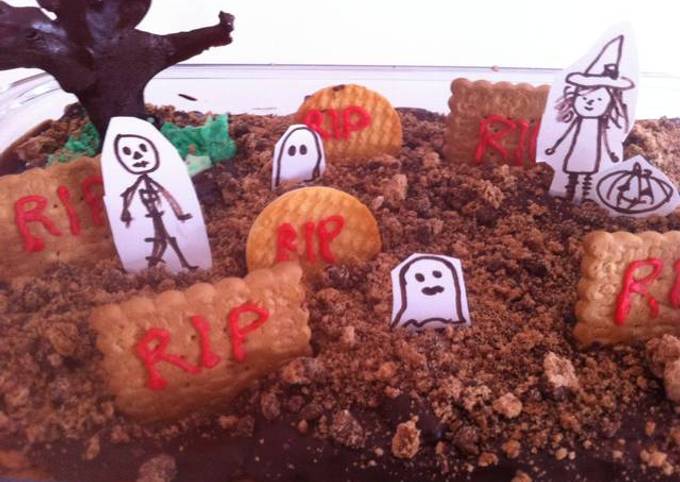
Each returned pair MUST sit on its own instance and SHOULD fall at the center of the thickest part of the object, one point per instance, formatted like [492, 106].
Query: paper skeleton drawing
[298, 156]
[589, 113]
[428, 291]
[635, 188]
[151, 204]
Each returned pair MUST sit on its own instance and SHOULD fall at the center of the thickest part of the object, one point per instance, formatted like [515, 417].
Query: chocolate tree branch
[94, 50]
[190, 44]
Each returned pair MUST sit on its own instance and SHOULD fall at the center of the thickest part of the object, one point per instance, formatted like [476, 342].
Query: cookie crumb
[227, 422]
[161, 468]
[671, 380]
[521, 476]
[654, 458]
[347, 431]
[270, 405]
[487, 459]
[508, 405]
[661, 351]
[559, 374]
[92, 448]
[406, 440]
[561, 453]
[512, 448]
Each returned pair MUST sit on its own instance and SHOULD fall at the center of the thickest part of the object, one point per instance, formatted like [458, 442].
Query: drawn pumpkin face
[634, 191]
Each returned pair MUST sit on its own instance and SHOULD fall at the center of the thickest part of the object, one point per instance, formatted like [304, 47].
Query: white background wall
[519, 33]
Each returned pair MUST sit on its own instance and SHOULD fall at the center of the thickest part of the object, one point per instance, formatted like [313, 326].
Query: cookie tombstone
[629, 288]
[353, 121]
[315, 226]
[168, 355]
[52, 215]
[494, 122]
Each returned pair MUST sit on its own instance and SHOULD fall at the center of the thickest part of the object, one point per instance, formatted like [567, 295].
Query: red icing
[336, 129]
[152, 356]
[309, 229]
[533, 140]
[520, 150]
[637, 286]
[73, 219]
[326, 236]
[209, 358]
[674, 294]
[238, 333]
[285, 241]
[94, 201]
[314, 120]
[362, 119]
[23, 216]
[488, 139]
[342, 122]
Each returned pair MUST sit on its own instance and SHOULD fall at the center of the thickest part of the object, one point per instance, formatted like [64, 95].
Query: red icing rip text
[238, 333]
[640, 286]
[23, 214]
[325, 231]
[494, 128]
[152, 349]
[31, 209]
[342, 122]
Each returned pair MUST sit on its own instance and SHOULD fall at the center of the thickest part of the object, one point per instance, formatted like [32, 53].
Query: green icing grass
[201, 147]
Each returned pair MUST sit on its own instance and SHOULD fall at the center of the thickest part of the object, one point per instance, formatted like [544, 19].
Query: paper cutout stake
[635, 188]
[428, 291]
[590, 111]
[150, 200]
[298, 156]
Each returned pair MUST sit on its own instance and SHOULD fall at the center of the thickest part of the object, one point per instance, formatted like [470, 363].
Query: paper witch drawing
[150, 200]
[589, 112]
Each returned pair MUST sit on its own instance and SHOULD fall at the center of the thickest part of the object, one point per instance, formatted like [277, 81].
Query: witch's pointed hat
[604, 70]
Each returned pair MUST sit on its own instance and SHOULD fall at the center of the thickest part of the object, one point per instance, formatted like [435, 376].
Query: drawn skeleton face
[136, 154]
[592, 103]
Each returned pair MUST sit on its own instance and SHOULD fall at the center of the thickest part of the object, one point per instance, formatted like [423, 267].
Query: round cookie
[316, 226]
[354, 122]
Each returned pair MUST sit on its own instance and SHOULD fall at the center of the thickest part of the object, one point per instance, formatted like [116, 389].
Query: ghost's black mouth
[140, 164]
[588, 108]
[432, 290]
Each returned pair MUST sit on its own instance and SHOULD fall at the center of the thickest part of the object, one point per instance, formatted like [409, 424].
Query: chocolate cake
[510, 398]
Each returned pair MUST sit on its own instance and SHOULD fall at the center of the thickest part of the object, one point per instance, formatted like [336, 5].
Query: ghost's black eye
[419, 277]
[437, 274]
[303, 149]
[143, 147]
[127, 151]
[292, 150]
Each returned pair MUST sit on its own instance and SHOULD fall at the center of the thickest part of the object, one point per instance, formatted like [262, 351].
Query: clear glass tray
[280, 89]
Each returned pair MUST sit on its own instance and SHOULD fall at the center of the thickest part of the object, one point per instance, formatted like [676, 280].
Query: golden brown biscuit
[180, 351]
[494, 122]
[315, 226]
[52, 214]
[629, 288]
[354, 122]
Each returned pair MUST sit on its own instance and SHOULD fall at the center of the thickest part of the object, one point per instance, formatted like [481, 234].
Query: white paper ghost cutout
[428, 291]
[298, 156]
[150, 200]
[635, 188]
[589, 113]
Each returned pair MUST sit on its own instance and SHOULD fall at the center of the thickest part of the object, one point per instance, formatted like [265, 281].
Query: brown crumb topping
[513, 388]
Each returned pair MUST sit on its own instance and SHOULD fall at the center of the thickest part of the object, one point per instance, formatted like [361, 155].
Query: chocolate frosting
[94, 50]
